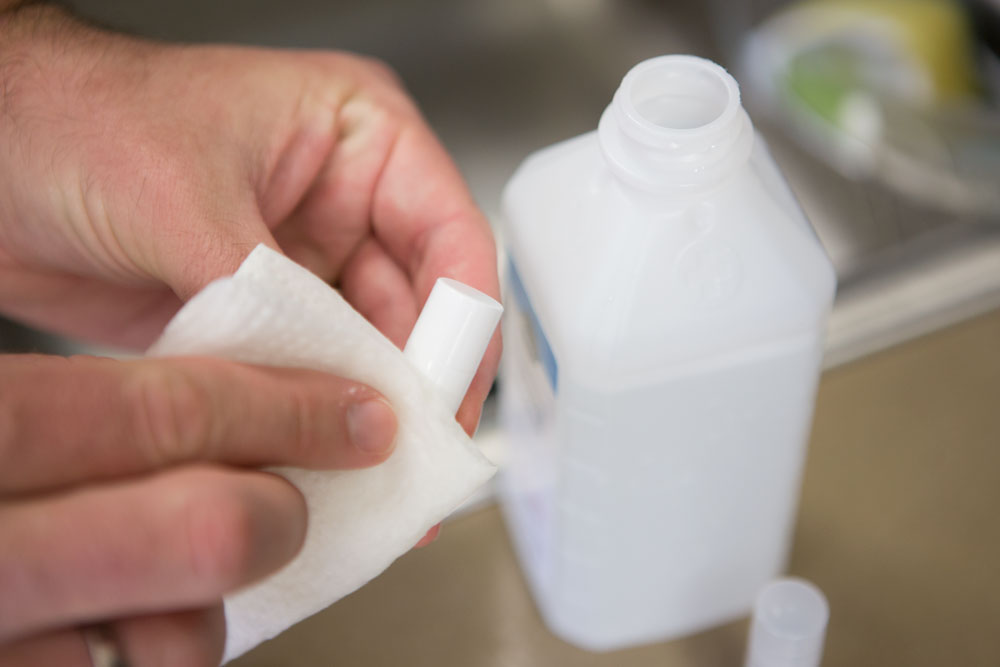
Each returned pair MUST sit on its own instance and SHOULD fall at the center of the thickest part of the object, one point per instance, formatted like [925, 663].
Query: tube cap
[789, 625]
[450, 337]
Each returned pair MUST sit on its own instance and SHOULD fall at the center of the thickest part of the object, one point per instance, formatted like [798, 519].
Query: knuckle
[171, 412]
[220, 537]
[307, 413]
[381, 70]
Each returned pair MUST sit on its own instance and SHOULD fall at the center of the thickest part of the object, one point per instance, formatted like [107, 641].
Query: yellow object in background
[886, 90]
[934, 33]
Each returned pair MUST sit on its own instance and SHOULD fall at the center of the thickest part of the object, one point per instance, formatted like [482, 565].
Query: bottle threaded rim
[675, 121]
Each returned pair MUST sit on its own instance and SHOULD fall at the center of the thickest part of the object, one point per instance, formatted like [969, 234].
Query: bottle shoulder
[622, 283]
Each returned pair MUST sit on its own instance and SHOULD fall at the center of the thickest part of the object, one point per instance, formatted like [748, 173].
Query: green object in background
[886, 90]
[821, 79]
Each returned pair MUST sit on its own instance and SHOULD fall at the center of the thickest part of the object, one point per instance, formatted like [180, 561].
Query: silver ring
[102, 645]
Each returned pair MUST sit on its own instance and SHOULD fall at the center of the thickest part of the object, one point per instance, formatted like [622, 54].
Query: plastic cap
[450, 337]
[789, 625]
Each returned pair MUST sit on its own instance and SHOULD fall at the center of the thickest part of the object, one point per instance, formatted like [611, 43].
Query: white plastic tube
[450, 337]
[789, 625]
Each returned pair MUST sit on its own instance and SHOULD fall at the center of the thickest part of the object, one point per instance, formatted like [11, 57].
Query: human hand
[133, 173]
[126, 495]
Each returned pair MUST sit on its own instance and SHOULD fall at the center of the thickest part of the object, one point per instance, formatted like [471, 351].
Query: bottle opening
[680, 93]
[675, 122]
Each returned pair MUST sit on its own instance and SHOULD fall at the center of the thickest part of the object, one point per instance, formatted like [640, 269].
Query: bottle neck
[675, 124]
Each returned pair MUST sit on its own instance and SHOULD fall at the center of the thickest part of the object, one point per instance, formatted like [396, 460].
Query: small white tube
[450, 337]
[789, 625]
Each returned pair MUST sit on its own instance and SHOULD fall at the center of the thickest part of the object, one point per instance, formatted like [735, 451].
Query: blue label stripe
[542, 347]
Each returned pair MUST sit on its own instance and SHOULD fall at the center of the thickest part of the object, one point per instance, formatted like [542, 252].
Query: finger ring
[102, 645]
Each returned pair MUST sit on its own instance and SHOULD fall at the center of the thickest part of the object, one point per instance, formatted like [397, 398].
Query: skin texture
[132, 173]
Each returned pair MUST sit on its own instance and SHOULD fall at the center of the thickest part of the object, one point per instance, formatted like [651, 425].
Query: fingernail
[371, 426]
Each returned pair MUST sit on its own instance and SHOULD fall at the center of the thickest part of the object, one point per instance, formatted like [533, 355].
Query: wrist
[44, 60]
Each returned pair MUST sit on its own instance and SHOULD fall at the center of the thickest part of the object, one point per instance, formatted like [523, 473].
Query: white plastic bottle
[666, 306]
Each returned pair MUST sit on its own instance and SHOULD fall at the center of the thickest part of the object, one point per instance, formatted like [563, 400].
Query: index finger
[65, 421]
[427, 221]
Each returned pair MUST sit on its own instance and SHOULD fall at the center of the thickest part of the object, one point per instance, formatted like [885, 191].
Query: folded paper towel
[272, 311]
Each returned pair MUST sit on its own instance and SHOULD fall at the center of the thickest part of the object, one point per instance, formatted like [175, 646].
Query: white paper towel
[272, 311]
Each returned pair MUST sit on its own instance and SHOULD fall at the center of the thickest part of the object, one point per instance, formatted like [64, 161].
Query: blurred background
[883, 116]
